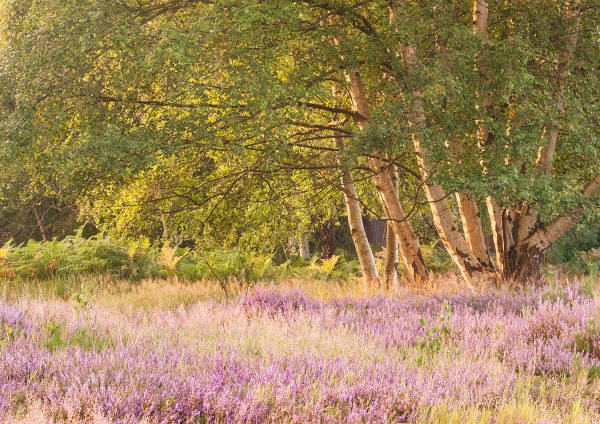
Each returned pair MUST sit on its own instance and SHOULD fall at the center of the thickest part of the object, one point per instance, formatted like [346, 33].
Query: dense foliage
[230, 123]
[135, 259]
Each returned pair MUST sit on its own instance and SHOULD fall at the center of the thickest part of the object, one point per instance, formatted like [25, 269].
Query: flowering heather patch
[279, 356]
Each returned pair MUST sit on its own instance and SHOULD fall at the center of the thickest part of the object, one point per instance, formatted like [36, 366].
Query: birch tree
[487, 105]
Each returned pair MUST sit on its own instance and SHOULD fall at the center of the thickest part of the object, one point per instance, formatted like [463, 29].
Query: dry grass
[151, 294]
[169, 294]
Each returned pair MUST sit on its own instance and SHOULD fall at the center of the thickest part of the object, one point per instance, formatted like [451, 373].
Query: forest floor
[299, 352]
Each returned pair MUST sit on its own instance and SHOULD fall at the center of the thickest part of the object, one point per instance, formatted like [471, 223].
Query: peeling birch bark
[470, 267]
[408, 242]
[472, 227]
[355, 222]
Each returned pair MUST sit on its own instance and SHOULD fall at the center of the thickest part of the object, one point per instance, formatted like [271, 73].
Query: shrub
[76, 255]
[137, 259]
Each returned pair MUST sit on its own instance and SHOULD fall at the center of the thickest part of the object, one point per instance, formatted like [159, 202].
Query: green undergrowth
[135, 260]
[57, 337]
[78, 264]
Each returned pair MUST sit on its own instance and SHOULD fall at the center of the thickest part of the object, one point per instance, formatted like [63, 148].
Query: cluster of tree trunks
[520, 239]
[401, 61]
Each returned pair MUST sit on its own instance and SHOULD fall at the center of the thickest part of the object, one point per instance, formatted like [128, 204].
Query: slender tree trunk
[408, 243]
[39, 219]
[328, 245]
[495, 215]
[304, 247]
[391, 249]
[470, 266]
[355, 221]
[473, 230]
[391, 259]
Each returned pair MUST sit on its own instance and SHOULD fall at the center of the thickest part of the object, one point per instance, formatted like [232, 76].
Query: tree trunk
[391, 249]
[355, 221]
[408, 243]
[473, 230]
[391, 259]
[304, 247]
[470, 266]
[328, 246]
[529, 252]
[528, 267]
[39, 219]
[520, 262]
[495, 215]
[510, 229]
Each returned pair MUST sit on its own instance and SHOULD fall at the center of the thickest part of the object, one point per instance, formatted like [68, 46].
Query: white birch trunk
[304, 247]
[391, 259]
[470, 267]
[495, 215]
[473, 230]
[355, 222]
[390, 268]
[408, 242]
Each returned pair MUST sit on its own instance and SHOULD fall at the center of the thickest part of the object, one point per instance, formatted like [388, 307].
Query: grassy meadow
[98, 330]
[99, 349]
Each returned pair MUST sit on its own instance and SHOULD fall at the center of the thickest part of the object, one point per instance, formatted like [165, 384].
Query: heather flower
[274, 356]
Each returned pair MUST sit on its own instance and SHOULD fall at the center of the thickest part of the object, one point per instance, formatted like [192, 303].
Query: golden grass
[151, 294]
[171, 293]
